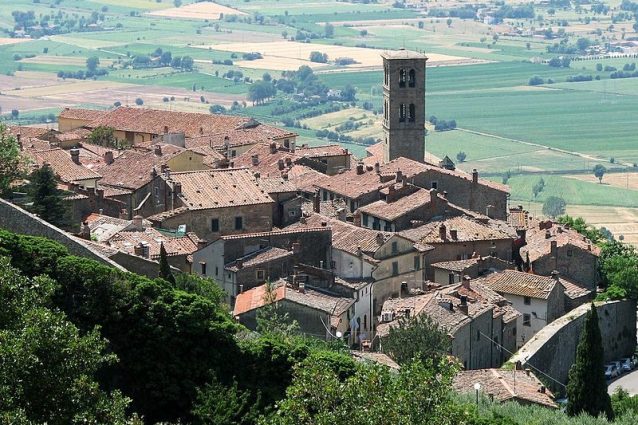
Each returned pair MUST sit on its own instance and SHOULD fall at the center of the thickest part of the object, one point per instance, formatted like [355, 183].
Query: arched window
[385, 111]
[412, 78]
[403, 76]
[411, 113]
[386, 77]
[402, 112]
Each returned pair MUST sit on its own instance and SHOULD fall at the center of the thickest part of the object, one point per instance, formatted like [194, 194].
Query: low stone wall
[553, 349]
[17, 220]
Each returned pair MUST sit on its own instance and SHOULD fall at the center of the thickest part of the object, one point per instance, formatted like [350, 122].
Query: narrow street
[628, 381]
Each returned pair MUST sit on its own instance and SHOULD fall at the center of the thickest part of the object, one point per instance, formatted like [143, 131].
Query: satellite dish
[339, 334]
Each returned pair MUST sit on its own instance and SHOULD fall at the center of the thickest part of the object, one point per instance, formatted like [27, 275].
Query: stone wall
[17, 220]
[553, 349]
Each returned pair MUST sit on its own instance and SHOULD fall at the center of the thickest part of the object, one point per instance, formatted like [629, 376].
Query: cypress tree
[587, 388]
[47, 198]
[164, 268]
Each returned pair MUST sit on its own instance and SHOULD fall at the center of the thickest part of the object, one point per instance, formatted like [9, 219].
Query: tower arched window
[403, 77]
[411, 113]
[386, 77]
[412, 78]
[385, 110]
[402, 112]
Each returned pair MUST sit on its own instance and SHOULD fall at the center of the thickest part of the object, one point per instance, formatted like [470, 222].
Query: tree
[599, 172]
[177, 3]
[536, 80]
[47, 198]
[12, 163]
[92, 63]
[449, 22]
[461, 156]
[220, 405]
[166, 58]
[420, 338]
[15, 114]
[318, 57]
[586, 386]
[187, 63]
[554, 206]
[164, 268]
[103, 136]
[217, 109]
[139, 101]
[538, 187]
[329, 30]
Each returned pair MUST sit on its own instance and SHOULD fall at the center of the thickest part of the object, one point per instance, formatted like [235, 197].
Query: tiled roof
[538, 245]
[257, 258]
[505, 385]
[261, 133]
[479, 293]
[32, 144]
[255, 298]
[276, 185]
[305, 178]
[392, 210]
[347, 237]
[573, 290]
[63, 166]
[77, 134]
[27, 132]
[286, 231]
[127, 240]
[211, 157]
[103, 227]
[520, 283]
[518, 218]
[380, 358]
[374, 154]
[467, 230]
[193, 125]
[321, 151]
[455, 266]
[132, 169]
[220, 189]
[82, 114]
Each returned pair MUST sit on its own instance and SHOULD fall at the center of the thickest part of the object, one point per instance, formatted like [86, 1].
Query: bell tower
[403, 105]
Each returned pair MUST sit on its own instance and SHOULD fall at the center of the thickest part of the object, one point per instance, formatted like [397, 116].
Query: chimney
[85, 233]
[108, 157]
[158, 150]
[316, 203]
[201, 243]
[123, 214]
[288, 161]
[466, 282]
[463, 307]
[555, 275]
[341, 214]
[302, 288]
[377, 168]
[454, 234]
[75, 155]
[273, 147]
[137, 222]
[241, 288]
[542, 389]
[554, 248]
[547, 234]
[359, 251]
[255, 159]
[360, 168]
[177, 188]
[442, 231]
[280, 164]
[380, 238]
[451, 305]
[474, 176]
[293, 146]
[488, 211]
[257, 176]
[399, 175]
[139, 250]
[296, 248]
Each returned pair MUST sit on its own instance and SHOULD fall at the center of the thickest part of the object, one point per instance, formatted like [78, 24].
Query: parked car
[611, 371]
[627, 364]
[618, 366]
[634, 360]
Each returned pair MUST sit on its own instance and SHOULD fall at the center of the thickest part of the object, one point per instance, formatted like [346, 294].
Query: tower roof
[402, 54]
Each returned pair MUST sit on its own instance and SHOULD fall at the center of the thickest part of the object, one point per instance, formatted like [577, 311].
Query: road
[628, 381]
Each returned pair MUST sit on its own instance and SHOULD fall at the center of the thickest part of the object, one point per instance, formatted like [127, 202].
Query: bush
[536, 80]
[139, 101]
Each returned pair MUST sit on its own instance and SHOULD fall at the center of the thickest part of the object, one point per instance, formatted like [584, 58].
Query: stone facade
[571, 262]
[450, 251]
[471, 346]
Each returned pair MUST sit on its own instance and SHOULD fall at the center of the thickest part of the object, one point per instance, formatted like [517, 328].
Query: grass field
[201, 11]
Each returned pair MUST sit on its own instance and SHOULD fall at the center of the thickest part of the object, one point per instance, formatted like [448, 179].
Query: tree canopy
[599, 172]
[554, 206]
[12, 163]
[46, 197]
[419, 337]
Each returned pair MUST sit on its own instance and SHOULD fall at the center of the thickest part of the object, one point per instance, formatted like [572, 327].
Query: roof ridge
[503, 382]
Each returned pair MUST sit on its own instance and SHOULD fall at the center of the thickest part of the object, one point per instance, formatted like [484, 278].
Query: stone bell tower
[403, 105]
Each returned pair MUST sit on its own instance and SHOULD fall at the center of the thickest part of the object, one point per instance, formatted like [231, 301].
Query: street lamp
[477, 387]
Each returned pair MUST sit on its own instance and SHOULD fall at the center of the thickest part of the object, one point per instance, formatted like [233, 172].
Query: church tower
[403, 105]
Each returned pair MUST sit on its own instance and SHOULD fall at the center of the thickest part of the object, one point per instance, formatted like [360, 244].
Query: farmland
[478, 74]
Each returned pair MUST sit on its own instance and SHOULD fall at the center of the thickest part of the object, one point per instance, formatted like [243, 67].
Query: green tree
[217, 404]
[586, 387]
[92, 63]
[318, 57]
[329, 30]
[103, 136]
[165, 268]
[538, 187]
[47, 198]
[187, 63]
[449, 22]
[139, 101]
[599, 172]
[554, 206]
[12, 163]
[461, 156]
[419, 337]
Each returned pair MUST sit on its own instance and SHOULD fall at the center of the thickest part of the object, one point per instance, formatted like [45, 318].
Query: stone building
[450, 272]
[403, 105]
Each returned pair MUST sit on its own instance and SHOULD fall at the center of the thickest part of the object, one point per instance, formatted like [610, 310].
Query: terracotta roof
[467, 230]
[153, 121]
[479, 293]
[27, 132]
[220, 189]
[455, 266]
[380, 358]
[276, 185]
[505, 385]
[63, 166]
[286, 231]
[374, 154]
[393, 210]
[212, 157]
[255, 298]
[82, 114]
[518, 218]
[520, 283]
[236, 137]
[305, 178]
[103, 227]
[347, 237]
[322, 151]
[110, 192]
[132, 169]
[538, 245]
[572, 289]
[32, 144]
[127, 240]
[257, 258]
[77, 134]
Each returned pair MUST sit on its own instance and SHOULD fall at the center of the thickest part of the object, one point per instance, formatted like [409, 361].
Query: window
[402, 112]
[365, 322]
[478, 335]
[395, 248]
[527, 320]
[417, 262]
[292, 213]
[324, 195]
[216, 271]
[214, 225]
[385, 111]
[450, 278]
[514, 331]
[261, 274]
[375, 224]
[239, 223]
[395, 268]
[388, 227]
[411, 113]
[403, 76]
[435, 185]
[233, 153]
[412, 78]
[569, 253]
[385, 76]
[364, 219]
[203, 268]
[527, 300]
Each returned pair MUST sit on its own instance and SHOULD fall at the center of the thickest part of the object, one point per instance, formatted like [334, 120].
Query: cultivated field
[202, 11]
[56, 60]
[4, 41]
[628, 180]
